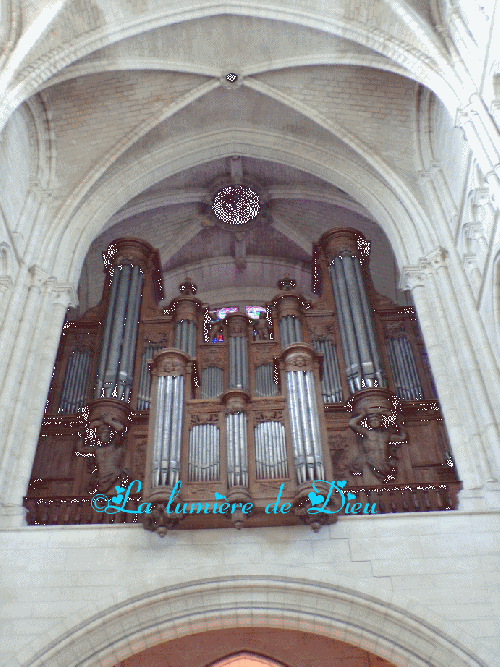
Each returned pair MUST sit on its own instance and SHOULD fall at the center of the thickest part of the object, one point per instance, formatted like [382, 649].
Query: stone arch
[44, 133]
[19, 153]
[430, 67]
[406, 225]
[404, 636]
[496, 299]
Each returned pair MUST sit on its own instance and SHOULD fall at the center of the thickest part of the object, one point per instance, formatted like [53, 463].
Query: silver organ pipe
[404, 371]
[212, 382]
[331, 387]
[304, 425]
[238, 352]
[290, 330]
[116, 361]
[203, 453]
[237, 452]
[167, 430]
[264, 383]
[363, 364]
[270, 450]
[185, 337]
[125, 375]
[75, 383]
[144, 392]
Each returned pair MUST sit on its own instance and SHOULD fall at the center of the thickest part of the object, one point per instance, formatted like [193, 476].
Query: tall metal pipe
[344, 247]
[110, 317]
[112, 363]
[73, 383]
[67, 384]
[369, 326]
[299, 454]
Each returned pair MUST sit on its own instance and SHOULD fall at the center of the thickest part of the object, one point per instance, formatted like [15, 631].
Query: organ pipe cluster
[264, 381]
[74, 389]
[212, 382]
[331, 386]
[185, 337]
[270, 450]
[404, 371]
[203, 453]
[362, 359]
[304, 425]
[290, 330]
[144, 391]
[166, 418]
[116, 361]
[237, 449]
[238, 351]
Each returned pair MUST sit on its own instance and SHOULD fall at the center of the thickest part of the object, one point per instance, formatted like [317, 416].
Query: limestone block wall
[409, 588]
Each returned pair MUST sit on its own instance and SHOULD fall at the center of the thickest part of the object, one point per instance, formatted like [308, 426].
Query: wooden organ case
[338, 390]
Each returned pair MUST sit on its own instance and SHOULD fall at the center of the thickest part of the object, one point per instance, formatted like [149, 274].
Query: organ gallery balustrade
[337, 389]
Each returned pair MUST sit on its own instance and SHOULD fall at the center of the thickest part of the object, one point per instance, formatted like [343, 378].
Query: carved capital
[236, 400]
[38, 276]
[374, 400]
[413, 277]
[186, 308]
[237, 324]
[299, 357]
[437, 258]
[5, 284]
[338, 241]
[130, 251]
[64, 295]
[170, 362]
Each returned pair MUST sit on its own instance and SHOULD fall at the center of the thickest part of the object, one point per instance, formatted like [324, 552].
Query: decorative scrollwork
[268, 416]
[205, 418]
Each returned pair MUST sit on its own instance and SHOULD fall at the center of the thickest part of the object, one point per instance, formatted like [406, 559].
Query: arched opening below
[254, 647]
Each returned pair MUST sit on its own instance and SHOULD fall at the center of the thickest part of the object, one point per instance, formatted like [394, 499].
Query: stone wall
[436, 576]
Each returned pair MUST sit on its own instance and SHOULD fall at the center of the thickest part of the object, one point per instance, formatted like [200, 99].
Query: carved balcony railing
[389, 499]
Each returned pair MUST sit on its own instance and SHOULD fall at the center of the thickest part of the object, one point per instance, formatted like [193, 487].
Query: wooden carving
[104, 439]
[377, 443]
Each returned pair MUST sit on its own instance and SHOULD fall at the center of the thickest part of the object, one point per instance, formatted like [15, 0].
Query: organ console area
[239, 401]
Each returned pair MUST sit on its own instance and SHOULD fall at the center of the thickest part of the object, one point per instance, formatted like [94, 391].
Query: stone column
[485, 439]
[471, 461]
[484, 140]
[30, 374]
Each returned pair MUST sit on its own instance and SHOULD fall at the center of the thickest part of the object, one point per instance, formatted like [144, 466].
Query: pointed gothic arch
[408, 637]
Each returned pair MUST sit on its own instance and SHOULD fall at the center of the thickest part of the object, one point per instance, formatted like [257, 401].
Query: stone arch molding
[422, 56]
[406, 225]
[391, 632]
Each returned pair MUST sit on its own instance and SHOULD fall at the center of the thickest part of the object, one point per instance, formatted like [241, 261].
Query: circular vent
[236, 204]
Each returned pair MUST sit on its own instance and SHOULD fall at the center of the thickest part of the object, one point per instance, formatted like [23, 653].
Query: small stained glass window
[254, 311]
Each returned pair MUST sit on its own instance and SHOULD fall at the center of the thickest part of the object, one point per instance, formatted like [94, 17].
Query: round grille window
[236, 204]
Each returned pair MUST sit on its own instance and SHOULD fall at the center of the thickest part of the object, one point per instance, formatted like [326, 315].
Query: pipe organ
[306, 392]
